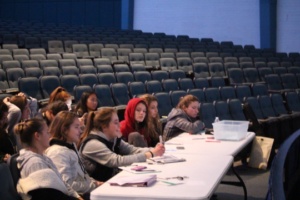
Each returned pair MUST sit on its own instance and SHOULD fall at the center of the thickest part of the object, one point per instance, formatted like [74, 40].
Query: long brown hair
[59, 94]
[61, 123]
[97, 120]
[154, 127]
[186, 101]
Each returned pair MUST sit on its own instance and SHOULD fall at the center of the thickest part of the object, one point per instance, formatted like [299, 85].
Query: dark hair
[186, 101]
[61, 123]
[59, 94]
[98, 120]
[57, 106]
[81, 106]
[19, 101]
[27, 129]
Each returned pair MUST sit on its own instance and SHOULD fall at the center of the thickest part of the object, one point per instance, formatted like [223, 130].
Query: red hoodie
[127, 125]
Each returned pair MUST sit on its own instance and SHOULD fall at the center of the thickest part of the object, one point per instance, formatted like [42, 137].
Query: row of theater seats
[199, 67]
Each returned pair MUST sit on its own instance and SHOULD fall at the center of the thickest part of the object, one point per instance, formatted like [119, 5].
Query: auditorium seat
[212, 94]
[207, 114]
[136, 58]
[197, 93]
[142, 76]
[48, 84]
[227, 92]
[106, 78]
[31, 87]
[186, 84]
[201, 83]
[153, 86]
[175, 96]
[124, 77]
[95, 49]
[236, 109]
[185, 64]
[88, 79]
[69, 82]
[109, 53]
[164, 106]
[242, 92]
[68, 45]
[289, 81]
[152, 59]
[55, 46]
[79, 90]
[13, 75]
[222, 110]
[168, 64]
[136, 89]
[170, 85]
[159, 75]
[120, 93]
[235, 76]
[216, 69]
[177, 74]
[10, 64]
[123, 54]
[201, 70]
[217, 82]
[264, 72]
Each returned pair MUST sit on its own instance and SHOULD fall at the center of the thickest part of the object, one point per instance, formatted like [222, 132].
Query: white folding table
[200, 145]
[189, 144]
[204, 175]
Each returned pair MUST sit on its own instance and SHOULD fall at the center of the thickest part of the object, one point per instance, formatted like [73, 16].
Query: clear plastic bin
[230, 130]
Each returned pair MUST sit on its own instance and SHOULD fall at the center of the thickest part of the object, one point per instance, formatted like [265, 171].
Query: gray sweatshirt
[178, 122]
[99, 152]
[29, 163]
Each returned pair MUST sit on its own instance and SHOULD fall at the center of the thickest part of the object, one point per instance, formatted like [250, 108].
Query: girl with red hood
[134, 126]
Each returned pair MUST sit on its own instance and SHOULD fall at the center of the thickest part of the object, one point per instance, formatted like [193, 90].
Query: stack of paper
[134, 181]
[167, 159]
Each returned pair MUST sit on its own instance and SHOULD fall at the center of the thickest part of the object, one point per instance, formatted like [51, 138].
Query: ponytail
[88, 127]
[97, 120]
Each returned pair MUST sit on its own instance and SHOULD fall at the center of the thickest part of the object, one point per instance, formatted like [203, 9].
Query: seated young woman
[103, 150]
[184, 118]
[65, 133]
[154, 126]
[40, 178]
[134, 127]
[88, 102]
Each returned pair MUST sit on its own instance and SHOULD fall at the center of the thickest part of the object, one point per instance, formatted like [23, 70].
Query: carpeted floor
[256, 182]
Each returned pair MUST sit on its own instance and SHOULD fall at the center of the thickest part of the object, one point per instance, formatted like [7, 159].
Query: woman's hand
[98, 183]
[159, 149]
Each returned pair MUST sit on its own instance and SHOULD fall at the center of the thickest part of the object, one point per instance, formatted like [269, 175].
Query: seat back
[176, 96]
[8, 190]
[120, 93]
[13, 75]
[69, 82]
[283, 181]
[236, 109]
[207, 114]
[104, 95]
[164, 103]
[79, 90]
[222, 110]
[48, 84]
[31, 87]
[197, 93]
[88, 79]
[153, 86]
[136, 88]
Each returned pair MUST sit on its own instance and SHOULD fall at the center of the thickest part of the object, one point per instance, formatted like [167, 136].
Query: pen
[161, 140]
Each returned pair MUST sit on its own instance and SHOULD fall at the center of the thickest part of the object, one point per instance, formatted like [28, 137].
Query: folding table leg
[240, 183]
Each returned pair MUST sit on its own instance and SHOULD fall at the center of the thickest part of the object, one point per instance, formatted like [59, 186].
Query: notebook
[166, 159]
[134, 181]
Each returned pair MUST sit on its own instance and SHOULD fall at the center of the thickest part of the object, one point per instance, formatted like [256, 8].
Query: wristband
[151, 154]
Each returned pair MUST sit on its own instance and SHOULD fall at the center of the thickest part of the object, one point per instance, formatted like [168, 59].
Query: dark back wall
[100, 13]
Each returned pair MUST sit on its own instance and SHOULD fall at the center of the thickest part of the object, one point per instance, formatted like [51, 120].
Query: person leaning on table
[184, 118]
[103, 150]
